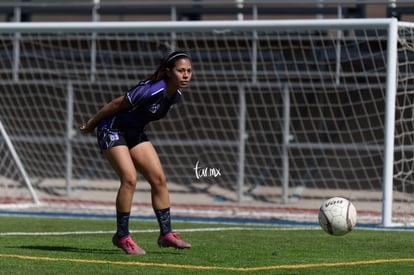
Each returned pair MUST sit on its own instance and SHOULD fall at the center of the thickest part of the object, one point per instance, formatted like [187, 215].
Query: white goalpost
[15, 162]
[279, 112]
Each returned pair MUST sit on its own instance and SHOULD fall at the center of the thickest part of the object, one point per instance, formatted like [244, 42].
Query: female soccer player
[122, 139]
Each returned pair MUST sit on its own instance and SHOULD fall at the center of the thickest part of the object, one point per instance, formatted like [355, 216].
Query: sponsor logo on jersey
[154, 108]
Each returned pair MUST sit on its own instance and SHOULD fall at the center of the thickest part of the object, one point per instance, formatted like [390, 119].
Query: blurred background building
[156, 10]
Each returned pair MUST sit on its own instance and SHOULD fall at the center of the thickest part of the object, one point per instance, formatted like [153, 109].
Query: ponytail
[167, 62]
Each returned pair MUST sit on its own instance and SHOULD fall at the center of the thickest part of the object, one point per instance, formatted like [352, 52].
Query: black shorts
[108, 138]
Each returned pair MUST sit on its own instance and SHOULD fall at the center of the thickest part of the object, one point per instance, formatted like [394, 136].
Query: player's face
[180, 74]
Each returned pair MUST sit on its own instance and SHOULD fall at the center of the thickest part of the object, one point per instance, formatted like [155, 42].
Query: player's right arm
[118, 104]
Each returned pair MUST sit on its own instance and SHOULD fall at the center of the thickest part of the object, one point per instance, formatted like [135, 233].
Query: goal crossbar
[149, 26]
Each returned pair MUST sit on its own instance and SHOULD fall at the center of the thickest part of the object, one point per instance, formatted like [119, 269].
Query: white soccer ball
[337, 216]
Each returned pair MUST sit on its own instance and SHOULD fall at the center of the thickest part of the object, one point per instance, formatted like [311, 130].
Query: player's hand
[86, 128]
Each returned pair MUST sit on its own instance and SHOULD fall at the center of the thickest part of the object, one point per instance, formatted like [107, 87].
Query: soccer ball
[337, 216]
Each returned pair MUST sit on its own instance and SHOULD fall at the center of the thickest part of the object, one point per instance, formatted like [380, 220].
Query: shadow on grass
[68, 249]
[165, 252]
[93, 250]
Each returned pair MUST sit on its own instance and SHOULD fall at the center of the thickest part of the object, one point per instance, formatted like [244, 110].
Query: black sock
[122, 224]
[164, 220]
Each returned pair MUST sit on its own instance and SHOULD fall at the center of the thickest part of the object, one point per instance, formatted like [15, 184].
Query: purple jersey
[149, 102]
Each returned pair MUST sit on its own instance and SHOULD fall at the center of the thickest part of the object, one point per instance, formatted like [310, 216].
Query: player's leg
[148, 164]
[121, 162]
[123, 165]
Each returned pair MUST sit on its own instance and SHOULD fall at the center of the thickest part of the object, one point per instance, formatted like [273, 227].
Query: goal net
[278, 114]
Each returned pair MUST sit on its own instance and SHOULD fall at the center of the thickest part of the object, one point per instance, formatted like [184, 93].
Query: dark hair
[167, 62]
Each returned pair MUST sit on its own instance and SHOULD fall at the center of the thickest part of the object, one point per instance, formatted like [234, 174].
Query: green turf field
[83, 246]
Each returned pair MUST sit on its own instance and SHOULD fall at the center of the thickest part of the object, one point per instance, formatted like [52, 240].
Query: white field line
[232, 212]
[157, 230]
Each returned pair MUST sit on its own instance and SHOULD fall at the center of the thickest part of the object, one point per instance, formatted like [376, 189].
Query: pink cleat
[127, 245]
[172, 240]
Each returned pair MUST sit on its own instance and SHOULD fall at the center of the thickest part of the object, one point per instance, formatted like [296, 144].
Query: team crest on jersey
[154, 108]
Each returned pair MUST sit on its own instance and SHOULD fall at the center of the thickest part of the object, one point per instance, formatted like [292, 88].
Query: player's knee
[129, 181]
[158, 181]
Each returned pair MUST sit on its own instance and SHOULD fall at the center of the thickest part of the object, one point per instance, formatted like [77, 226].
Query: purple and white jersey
[149, 102]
